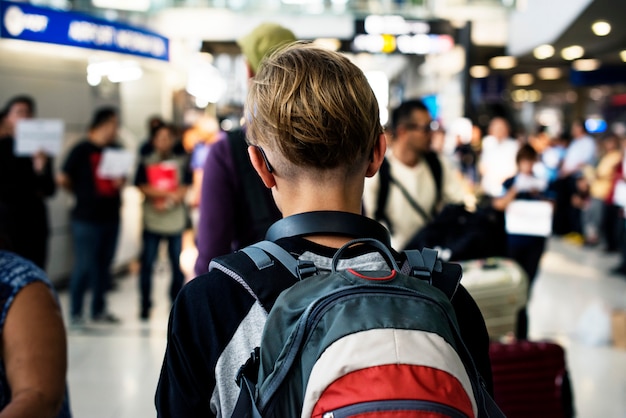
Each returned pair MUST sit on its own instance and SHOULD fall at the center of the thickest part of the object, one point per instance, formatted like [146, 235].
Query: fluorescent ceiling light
[586, 65]
[622, 55]
[519, 95]
[479, 71]
[549, 73]
[502, 63]
[543, 52]
[534, 95]
[572, 52]
[601, 28]
[522, 79]
[133, 5]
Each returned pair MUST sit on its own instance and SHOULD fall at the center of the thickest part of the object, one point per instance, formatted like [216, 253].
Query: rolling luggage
[499, 287]
[530, 379]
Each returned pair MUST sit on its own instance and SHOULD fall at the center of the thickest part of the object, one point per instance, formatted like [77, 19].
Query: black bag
[459, 234]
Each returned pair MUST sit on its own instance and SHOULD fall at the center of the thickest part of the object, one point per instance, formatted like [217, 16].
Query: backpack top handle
[382, 248]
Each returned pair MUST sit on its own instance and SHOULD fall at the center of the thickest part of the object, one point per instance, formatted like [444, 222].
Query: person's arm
[452, 183]
[42, 168]
[474, 333]
[205, 316]
[69, 169]
[35, 354]
[218, 204]
[501, 203]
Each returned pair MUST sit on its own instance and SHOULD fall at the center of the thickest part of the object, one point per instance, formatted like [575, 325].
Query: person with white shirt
[579, 153]
[413, 182]
[497, 161]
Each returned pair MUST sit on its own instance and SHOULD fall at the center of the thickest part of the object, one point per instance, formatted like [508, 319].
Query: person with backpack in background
[235, 209]
[314, 135]
[414, 182]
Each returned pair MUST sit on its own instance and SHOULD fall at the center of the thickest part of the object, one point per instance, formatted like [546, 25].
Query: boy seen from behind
[314, 137]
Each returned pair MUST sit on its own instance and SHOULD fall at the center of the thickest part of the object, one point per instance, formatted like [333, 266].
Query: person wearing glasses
[418, 182]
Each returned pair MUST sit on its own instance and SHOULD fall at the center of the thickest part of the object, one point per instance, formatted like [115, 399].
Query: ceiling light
[479, 71]
[534, 96]
[502, 63]
[572, 52]
[601, 28]
[549, 73]
[622, 55]
[543, 52]
[522, 79]
[519, 95]
[586, 65]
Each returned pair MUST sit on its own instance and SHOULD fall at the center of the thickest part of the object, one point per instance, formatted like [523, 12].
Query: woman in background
[25, 182]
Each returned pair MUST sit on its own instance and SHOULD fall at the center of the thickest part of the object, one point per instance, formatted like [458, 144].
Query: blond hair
[315, 107]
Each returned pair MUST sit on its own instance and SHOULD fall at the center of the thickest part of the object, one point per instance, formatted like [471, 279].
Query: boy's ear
[260, 167]
[378, 154]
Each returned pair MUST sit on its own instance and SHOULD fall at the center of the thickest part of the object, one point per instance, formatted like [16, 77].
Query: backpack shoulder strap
[434, 164]
[425, 265]
[255, 193]
[253, 269]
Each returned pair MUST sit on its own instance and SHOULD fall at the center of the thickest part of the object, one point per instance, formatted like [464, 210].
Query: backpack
[384, 173]
[345, 343]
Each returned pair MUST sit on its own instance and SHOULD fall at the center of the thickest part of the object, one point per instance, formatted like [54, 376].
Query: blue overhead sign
[38, 24]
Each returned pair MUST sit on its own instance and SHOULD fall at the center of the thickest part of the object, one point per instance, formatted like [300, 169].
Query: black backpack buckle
[250, 369]
[306, 269]
[422, 273]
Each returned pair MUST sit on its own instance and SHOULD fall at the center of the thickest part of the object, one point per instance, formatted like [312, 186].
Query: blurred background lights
[522, 79]
[479, 71]
[572, 52]
[502, 62]
[549, 73]
[543, 52]
[586, 65]
[601, 28]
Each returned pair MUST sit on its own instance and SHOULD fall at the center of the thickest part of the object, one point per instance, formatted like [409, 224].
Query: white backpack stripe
[383, 346]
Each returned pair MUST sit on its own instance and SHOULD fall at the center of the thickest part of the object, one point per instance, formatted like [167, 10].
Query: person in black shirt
[25, 182]
[95, 216]
[315, 134]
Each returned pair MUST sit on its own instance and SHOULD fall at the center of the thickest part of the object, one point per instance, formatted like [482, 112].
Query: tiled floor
[113, 370]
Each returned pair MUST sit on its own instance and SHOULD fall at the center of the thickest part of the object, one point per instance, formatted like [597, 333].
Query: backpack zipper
[395, 405]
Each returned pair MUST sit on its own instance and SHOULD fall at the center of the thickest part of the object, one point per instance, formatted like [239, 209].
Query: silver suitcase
[499, 287]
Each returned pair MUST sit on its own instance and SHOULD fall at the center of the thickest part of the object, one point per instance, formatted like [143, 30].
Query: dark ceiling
[606, 48]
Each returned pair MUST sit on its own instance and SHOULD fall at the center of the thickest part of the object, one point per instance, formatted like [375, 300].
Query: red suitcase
[530, 379]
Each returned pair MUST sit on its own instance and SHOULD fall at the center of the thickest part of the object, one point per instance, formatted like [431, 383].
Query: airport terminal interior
[548, 72]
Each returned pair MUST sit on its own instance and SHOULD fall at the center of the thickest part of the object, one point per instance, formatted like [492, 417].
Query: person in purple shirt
[235, 208]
